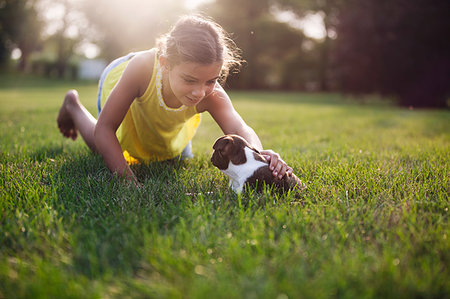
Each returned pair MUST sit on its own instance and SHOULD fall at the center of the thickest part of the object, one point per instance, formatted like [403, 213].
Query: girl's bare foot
[65, 123]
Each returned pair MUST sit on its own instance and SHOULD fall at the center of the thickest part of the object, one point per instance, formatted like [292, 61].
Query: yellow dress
[150, 131]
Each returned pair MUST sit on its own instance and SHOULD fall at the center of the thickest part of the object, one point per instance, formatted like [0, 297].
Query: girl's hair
[200, 40]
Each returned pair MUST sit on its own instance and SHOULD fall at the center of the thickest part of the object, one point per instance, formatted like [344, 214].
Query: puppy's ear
[224, 145]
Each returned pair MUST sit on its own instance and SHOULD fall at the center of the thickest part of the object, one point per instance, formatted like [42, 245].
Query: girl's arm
[219, 105]
[131, 85]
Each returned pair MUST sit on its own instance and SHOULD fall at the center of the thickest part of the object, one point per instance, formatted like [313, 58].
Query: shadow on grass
[16, 80]
[333, 99]
[46, 153]
[113, 226]
[110, 219]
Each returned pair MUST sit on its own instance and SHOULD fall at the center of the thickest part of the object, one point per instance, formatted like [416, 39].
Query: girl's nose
[199, 92]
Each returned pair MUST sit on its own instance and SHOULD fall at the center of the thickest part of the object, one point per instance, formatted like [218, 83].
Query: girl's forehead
[199, 70]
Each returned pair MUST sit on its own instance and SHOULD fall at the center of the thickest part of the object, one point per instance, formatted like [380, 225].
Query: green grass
[372, 223]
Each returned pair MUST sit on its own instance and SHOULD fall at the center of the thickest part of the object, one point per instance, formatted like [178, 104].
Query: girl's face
[191, 82]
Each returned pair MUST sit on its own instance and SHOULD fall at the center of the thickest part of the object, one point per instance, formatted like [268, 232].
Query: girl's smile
[188, 82]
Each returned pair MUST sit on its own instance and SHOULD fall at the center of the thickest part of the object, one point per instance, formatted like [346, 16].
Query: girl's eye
[189, 81]
[212, 82]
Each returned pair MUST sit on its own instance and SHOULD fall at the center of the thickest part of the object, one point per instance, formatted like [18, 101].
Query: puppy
[243, 164]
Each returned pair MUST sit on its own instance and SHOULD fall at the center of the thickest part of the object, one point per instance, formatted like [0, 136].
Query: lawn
[373, 221]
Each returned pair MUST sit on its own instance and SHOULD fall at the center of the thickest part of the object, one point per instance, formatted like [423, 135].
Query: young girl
[152, 100]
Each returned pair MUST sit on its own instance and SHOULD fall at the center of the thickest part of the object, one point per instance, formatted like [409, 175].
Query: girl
[152, 100]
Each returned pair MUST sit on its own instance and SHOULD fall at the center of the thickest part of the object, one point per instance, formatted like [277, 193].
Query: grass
[372, 223]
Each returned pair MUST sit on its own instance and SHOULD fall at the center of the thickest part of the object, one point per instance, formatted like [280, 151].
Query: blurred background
[395, 48]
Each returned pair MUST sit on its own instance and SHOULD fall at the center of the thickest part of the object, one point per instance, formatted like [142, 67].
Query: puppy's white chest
[239, 174]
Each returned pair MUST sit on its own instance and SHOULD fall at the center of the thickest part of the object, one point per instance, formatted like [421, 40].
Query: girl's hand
[276, 164]
[130, 178]
[133, 181]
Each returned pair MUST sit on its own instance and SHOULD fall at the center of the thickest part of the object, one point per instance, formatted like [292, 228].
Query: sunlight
[53, 16]
[312, 24]
[16, 53]
[89, 50]
[193, 4]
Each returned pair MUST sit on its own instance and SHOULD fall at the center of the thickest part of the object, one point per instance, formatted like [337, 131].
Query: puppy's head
[229, 148]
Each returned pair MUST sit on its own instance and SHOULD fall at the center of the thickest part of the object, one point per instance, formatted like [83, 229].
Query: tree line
[393, 47]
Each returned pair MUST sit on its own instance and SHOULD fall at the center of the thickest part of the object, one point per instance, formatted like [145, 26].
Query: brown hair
[198, 39]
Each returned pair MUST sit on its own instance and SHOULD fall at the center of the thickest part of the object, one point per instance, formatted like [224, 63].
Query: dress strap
[158, 85]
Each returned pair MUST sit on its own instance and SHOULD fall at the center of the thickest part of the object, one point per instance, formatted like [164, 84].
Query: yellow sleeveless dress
[150, 131]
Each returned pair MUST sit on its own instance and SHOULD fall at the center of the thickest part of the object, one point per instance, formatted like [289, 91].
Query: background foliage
[396, 47]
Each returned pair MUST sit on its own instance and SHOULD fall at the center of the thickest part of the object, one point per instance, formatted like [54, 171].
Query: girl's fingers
[289, 171]
[283, 170]
[74, 134]
[277, 169]
[276, 164]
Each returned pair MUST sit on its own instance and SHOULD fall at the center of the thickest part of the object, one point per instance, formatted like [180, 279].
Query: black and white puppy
[243, 164]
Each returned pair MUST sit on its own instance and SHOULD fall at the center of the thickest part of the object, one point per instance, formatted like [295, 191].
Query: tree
[280, 47]
[20, 26]
[242, 24]
[120, 27]
[329, 10]
[267, 44]
[65, 43]
[397, 47]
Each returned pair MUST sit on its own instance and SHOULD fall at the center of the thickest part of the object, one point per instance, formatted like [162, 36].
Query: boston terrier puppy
[243, 164]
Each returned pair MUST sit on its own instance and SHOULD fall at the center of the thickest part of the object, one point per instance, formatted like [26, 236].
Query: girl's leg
[73, 117]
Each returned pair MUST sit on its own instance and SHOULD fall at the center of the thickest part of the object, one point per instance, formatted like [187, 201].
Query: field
[372, 223]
